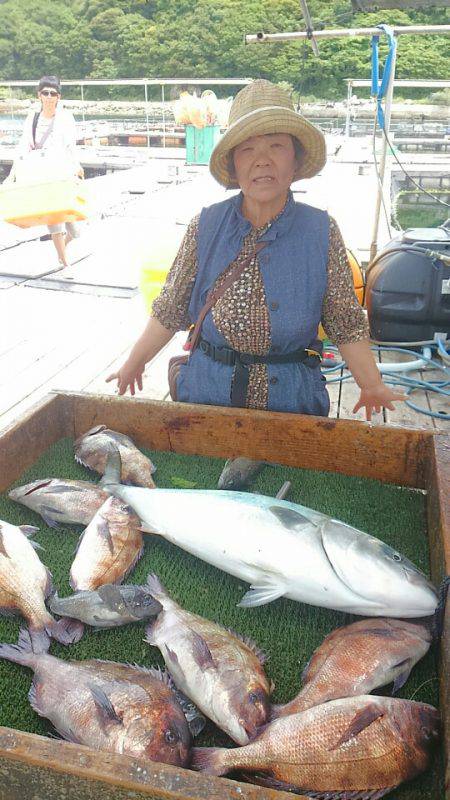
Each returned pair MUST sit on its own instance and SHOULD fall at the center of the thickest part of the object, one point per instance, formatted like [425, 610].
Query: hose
[393, 374]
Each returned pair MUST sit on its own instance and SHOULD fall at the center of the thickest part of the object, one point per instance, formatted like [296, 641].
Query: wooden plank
[34, 766]
[23, 442]
[353, 448]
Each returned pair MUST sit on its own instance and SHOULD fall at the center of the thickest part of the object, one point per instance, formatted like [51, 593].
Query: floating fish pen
[392, 482]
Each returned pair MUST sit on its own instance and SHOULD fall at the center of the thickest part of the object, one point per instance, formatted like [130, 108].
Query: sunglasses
[49, 93]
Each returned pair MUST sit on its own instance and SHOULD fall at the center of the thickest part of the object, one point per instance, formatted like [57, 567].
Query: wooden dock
[69, 329]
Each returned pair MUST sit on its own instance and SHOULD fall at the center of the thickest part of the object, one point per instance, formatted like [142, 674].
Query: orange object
[358, 283]
[137, 141]
[28, 204]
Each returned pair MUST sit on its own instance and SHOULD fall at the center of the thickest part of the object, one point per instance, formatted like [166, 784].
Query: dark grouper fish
[61, 501]
[218, 670]
[358, 748]
[92, 448]
[25, 583]
[239, 472]
[359, 658]
[106, 706]
[109, 606]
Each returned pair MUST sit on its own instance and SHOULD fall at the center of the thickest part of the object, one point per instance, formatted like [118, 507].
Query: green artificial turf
[287, 631]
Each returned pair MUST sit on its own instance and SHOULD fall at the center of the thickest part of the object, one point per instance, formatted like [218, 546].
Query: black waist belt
[242, 362]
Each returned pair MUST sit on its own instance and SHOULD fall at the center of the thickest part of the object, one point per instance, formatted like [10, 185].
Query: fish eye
[170, 736]
[254, 697]
[396, 557]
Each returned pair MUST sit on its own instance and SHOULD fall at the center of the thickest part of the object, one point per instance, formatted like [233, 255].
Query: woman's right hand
[127, 376]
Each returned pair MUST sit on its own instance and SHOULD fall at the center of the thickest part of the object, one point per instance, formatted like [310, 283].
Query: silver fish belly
[284, 549]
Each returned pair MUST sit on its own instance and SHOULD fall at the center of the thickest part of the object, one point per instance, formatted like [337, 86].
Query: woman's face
[265, 166]
[49, 98]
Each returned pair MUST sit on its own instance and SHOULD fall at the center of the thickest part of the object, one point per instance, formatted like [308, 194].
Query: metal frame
[263, 38]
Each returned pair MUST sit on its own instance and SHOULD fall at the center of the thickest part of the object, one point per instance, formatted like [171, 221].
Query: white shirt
[58, 152]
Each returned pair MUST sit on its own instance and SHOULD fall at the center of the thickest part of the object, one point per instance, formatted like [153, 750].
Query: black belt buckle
[246, 359]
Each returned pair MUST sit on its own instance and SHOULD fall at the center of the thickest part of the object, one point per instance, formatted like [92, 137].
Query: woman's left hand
[376, 397]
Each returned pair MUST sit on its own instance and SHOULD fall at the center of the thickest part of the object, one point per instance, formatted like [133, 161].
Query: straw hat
[262, 107]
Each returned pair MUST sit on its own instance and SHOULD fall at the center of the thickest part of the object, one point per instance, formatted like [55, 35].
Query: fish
[25, 583]
[357, 659]
[154, 681]
[282, 549]
[91, 450]
[221, 672]
[61, 501]
[109, 548]
[357, 747]
[104, 706]
[108, 607]
[239, 472]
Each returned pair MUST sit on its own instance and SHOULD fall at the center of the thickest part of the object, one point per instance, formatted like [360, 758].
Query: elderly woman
[278, 269]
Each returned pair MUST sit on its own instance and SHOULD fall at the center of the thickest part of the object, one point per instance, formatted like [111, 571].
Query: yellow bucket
[156, 264]
[28, 204]
[358, 283]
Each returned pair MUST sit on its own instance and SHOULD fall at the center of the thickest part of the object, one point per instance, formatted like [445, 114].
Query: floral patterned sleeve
[343, 318]
[170, 308]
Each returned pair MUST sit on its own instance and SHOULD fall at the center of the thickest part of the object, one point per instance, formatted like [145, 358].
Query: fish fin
[22, 652]
[46, 513]
[156, 587]
[113, 467]
[7, 611]
[48, 588]
[171, 655]
[93, 431]
[290, 518]
[209, 759]
[265, 591]
[28, 530]
[105, 708]
[66, 630]
[110, 595]
[70, 736]
[251, 644]
[194, 718]
[36, 545]
[149, 636]
[305, 671]
[403, 676]
[104, 531]
[3, 550]
[201, 652]
[362, 719]
[137, 557]
[40, 639]
[33, 701]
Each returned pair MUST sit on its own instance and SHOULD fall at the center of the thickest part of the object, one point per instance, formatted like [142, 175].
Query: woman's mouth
[263, 179]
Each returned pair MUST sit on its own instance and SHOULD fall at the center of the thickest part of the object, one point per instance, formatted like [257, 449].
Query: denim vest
[293, 267]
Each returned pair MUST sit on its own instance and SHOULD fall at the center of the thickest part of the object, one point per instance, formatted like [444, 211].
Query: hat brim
[271, 119]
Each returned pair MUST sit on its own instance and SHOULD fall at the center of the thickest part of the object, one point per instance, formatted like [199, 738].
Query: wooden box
[34, 766]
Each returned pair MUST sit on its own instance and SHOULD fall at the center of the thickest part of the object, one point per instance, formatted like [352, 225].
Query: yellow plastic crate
[28, 204]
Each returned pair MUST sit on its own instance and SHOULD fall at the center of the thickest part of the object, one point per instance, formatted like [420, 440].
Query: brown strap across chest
[215, 294]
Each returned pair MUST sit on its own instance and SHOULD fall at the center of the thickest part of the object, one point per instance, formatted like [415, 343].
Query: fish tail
[155, 587]
[65, 630]
[210, 759]
[113, 468]
[29, 644]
